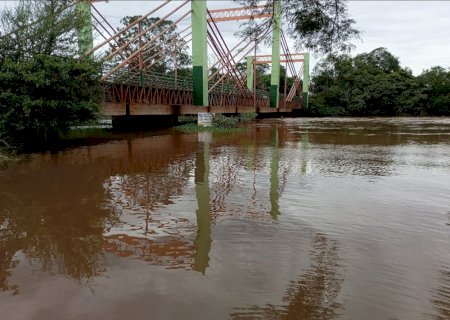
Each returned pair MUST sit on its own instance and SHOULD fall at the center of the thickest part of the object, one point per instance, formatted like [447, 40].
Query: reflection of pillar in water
[130, 148]
[305, 145]
[274, 182]
[203, 240]
[250, 157]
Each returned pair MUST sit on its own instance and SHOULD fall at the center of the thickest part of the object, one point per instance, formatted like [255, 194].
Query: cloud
[414, 31]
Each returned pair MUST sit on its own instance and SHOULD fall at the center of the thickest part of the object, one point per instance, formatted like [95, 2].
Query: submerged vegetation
[220, 123]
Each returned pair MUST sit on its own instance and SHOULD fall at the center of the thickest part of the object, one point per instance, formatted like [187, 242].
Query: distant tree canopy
[374, 84]
[319, 25]
[43, 89]
[162, 53]
[36, 27]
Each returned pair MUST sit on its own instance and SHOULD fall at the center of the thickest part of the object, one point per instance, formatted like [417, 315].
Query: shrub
[221, 121]
[43, 97]
[247, 117]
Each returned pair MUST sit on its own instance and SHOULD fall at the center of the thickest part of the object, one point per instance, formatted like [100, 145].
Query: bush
[43, 97]
[221, 121]
[247, 117]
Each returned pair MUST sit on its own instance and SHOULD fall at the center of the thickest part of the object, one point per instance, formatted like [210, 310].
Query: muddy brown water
[288, 219]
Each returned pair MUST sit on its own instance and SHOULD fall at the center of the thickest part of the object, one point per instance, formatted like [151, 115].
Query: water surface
[288, 219]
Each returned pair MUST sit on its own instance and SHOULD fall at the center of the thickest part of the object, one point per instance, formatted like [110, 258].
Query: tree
[369, 84]
[163, 54]
[35, 27]
[43, 89]
[436, 87]
[43, 97]
[318, 25]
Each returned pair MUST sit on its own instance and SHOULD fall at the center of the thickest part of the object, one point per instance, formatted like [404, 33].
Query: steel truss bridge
[222, 79]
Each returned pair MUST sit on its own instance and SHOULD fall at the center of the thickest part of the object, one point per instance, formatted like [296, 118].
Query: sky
[417, 32]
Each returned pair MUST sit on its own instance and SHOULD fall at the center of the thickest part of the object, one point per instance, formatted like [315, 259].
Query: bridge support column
[305, 80]
[85, 37]
[199, 53]
[275, 76]
[250, 73]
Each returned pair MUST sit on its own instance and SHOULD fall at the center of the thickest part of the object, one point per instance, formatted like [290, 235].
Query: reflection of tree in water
[52, 241]
[52, 211]
[223, 180]
[53, 225]
[313, 296]
[226, 168]
[441, 296]
[143, 232]
[10, 243]
[172, 252]
[147, 185]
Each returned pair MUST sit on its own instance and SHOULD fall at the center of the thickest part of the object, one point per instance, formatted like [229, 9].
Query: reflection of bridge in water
[142, 197]
[147, 211]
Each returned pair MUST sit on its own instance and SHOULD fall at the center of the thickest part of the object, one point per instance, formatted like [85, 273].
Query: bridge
[220, 79]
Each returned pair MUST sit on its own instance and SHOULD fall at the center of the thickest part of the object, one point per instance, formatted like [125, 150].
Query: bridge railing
[169, 81]
[149, 79]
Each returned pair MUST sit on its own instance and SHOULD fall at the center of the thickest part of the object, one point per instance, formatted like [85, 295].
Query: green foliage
[247, 117]
[319, 25]
[35, 27]
[374, 84]
[435, 86]
[221, 121]
[43, 89]
[192, 127]
[43, 97]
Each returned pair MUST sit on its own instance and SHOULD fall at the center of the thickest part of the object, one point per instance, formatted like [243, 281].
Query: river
[286, 219]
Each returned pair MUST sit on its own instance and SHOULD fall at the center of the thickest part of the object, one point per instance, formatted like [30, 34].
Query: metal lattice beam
[267, 58]
[244, 13]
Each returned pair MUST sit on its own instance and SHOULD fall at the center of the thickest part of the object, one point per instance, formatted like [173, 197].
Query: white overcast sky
[417, 32]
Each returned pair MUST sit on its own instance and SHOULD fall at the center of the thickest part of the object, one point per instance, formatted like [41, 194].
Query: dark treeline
[374, 84]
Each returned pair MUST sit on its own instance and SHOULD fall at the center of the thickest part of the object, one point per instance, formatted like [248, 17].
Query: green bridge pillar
[199, 53]
[305, 79]
[85, 37]
[275, 77]
[250, 73]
